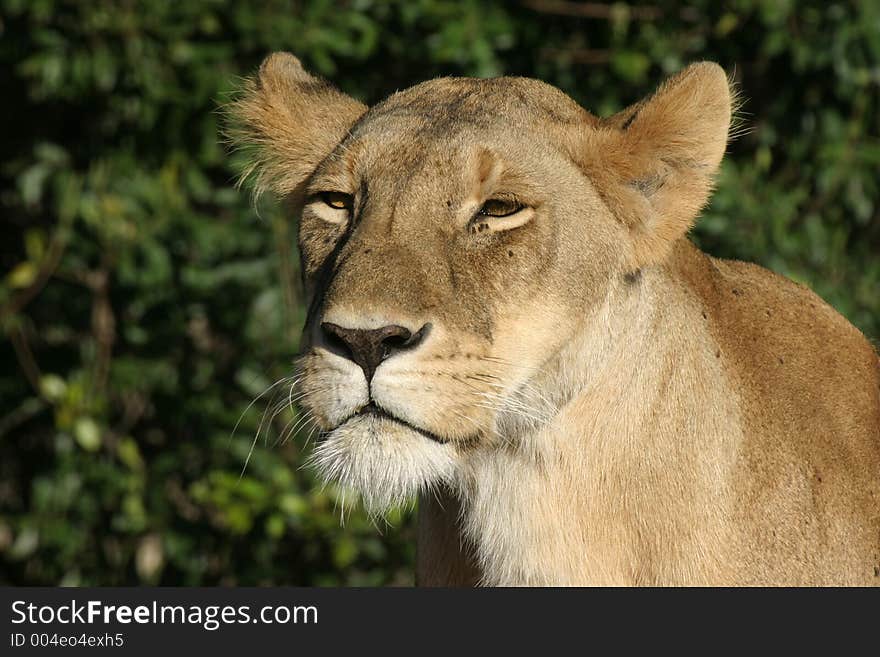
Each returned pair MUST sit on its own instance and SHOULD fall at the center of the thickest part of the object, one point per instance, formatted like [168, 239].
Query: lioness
[507, 319]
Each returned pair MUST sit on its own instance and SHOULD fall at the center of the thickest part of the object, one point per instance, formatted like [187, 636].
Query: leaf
[22, 275]
[87, 434]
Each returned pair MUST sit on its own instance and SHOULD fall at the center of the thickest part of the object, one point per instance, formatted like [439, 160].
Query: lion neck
[643, 394]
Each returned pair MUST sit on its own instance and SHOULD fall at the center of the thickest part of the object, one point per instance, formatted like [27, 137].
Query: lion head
[459, 244]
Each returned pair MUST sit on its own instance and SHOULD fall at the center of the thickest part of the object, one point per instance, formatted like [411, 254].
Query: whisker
[254, 401]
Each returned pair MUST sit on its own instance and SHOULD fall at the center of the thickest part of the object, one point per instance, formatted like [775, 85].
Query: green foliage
[144, 303]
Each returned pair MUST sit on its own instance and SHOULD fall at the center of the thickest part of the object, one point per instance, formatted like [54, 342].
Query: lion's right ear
[287, 121]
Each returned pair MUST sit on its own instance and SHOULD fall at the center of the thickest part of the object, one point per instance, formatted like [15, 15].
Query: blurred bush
[144, 304]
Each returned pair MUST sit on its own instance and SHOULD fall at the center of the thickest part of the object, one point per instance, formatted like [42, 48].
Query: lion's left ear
[655, 162]
[287, 121]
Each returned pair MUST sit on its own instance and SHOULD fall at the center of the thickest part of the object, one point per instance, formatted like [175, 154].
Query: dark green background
[144, 303]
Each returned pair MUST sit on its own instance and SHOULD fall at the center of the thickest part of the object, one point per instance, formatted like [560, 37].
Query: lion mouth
[372, 409]
[383, 458]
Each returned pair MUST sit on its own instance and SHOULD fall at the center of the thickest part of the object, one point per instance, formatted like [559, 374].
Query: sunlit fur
[383, 462]
[597, 401]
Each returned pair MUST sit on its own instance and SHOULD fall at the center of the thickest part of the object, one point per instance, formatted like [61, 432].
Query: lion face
[444, 268]
[454, 244]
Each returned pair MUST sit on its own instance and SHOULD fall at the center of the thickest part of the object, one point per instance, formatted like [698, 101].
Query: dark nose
[369, 347]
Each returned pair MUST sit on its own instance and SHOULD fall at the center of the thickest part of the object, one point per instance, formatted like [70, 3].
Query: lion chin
[383, 461]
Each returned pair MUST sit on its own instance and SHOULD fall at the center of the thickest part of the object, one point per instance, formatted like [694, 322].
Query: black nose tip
[369, 347]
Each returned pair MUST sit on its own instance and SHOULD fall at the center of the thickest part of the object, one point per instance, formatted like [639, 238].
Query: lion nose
[369, 347]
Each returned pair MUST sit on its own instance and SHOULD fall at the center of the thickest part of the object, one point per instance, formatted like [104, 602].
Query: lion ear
[656, 160]
[287, 121]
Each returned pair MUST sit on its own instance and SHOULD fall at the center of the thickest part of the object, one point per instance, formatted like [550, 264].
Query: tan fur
[596, 401]
[280, 120]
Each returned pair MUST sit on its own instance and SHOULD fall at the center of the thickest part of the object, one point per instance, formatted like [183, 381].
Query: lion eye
[500, 207]
[336, 200]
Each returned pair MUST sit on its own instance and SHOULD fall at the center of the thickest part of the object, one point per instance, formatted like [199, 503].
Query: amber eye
[336, 200]
[500, 207]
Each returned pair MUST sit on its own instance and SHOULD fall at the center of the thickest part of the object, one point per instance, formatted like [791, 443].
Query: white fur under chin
[382, 461]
